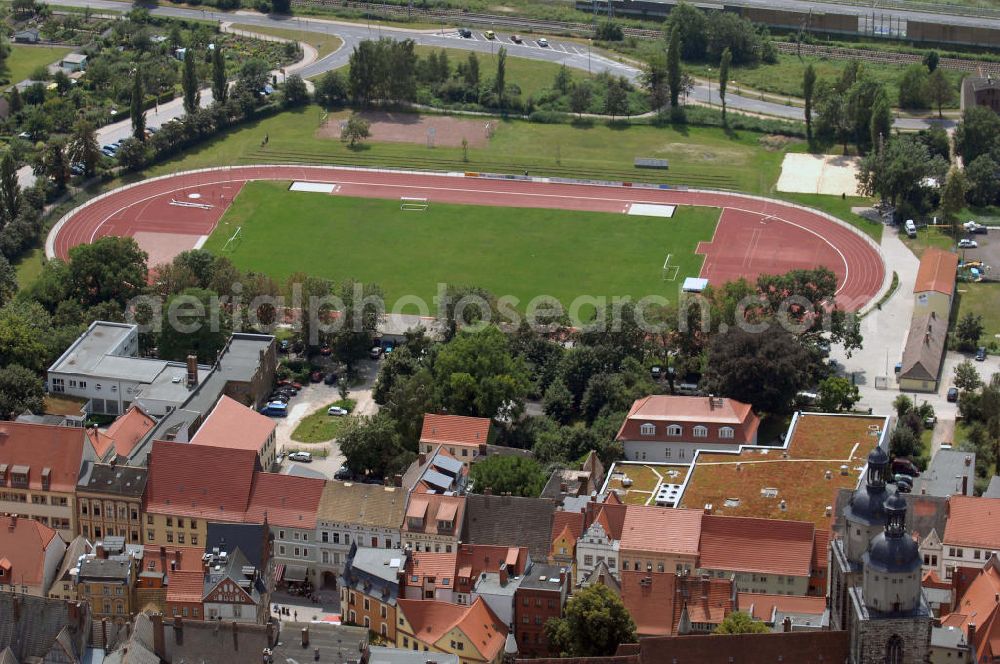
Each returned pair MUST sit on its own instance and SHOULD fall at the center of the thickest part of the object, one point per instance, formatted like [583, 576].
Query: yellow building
[934, 288]
[471, 632]
[107, 581]
[109, 501]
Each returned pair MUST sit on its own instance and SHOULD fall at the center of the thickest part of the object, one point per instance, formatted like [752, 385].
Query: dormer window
[726, 432]
[675, 430]
[647, 429]
[700, 431]
[444, 525]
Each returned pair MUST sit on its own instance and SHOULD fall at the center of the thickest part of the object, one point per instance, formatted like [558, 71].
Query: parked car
[516, 39]
[275, 409]
[489, 34]
[331, 378]
[278, 397]
[375, 352]
[656, 372]
[465, 33]
[325, 351]
[316, 376]
[903, 466]
[975, 228]
[953, 394]
[543, 42]
[966, 243]
[336, 411]
[910, 228]
[304, 457]
[981, 354]
[343, 473]
[899, 478]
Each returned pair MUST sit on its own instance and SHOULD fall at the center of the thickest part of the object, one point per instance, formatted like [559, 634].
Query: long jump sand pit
[440, 130]
[819, 174]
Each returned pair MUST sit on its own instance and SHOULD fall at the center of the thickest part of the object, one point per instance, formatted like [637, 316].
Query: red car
[316, 376]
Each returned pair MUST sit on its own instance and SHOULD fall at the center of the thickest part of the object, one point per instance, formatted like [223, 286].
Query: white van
[911, 228]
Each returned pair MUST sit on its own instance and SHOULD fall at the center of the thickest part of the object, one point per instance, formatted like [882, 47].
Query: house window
[700, 431]
[149, 519]
[194, 539]
[647, 429]
[180, 538]
[666, 453]
[726, 432]
[170, 537]
[170, 519]
[588, 560]
[324, 536]
[675, 430]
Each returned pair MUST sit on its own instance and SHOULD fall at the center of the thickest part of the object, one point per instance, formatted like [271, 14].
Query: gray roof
[105, 569]
[438, 480]
[948, 637]
[213, 642]
[489, 583]
[125, 481]
[247, 537]
[166, 387]
[448, 464]
[138, 647]
[118, 367]
[510, 520]
[993, 490]
[379, 562]
[540, 576]
[32, 626]
[925, 345]
[980, 82]
[336, 643]
[84, 354]
[380, 655]
[299, 470]
[923, 513]
[943, 476]
[78, 547]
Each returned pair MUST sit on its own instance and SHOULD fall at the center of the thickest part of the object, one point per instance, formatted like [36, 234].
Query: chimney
[192, 370]
[100, 552]
[236, 636]
[305, 637]
[13, 522]
[786, 624]
[178, 630]
[421, 459]
[563, 487]
[397, 480]
[562, 576]
[972, 635]
[158, 649]
[17, 607]
[503, 575]
[965, 485]
[711, 402]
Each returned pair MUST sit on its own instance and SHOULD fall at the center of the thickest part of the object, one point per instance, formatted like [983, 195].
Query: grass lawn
[29, 267]
[928, 236]
[325, 44]
[25, 59]
[981, 299]
[509, 251]
[320, 427]
[838, 207]
[785, 77]
[699, 156]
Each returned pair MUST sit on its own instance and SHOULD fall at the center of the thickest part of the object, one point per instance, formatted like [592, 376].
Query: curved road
[569, 53]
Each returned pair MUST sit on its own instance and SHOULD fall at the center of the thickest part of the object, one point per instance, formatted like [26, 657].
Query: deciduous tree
[517, 475]
[109, 269]
[10, 188]
[356, 130]
[968, 331]
[940, 91]
[595, 623]
[137, 113]
[20, 390]
[977, 133]
[739, 622]
[967, 378]
[837, 394]
[83, 147]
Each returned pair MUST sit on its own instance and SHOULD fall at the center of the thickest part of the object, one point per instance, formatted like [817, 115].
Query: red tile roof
[431, 620]
[821, 546]
[199, 481]
[427, 506]
[763, 606]
[41, 446]
[234, 426]
[22, 546]
[655, 600]
[611, 516]
[481, 558]
[937, 271]
[661, 529]
[767, 546]
[569, 521]
[455, 430]
[714, 412]
[978, 605]
[185, 586]
[286, 500]
[424, 565]
[973, 522]
[186, 558]
[126, 431]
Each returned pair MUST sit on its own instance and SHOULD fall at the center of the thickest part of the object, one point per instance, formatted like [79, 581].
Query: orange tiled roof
[126, 431]
[439, 565]
[569, 522]
[661, 529]
[610, 515]
[768, 546]
[428, 506]
[979, 606]
[936, 272]
[186, 558]
[649, 599]
[41, 446]
[199, 481]
[455, 430]
[973, 522]
[22, 545]
[234, 426]
[286, 500]
[821, 544]
[185, 586]
[432, 619]
[763, 606]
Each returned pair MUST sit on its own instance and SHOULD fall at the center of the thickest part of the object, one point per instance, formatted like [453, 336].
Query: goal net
[670, 270]
[234, 241]
[412, 204]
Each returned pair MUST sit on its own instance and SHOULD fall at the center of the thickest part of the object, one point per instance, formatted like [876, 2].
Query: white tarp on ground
[695, 284]
[819, 174]
[316, 187]
[651, 210]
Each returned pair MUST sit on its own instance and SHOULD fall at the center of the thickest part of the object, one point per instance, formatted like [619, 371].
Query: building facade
[433, 522]
[540, 596]
[369, 587]
[109, 501]
[30, 556]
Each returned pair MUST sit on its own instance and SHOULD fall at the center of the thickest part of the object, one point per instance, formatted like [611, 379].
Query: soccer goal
[670, 270]
[412, 204]
[234, 241]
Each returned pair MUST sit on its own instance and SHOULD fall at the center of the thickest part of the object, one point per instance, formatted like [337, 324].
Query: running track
[754, 235]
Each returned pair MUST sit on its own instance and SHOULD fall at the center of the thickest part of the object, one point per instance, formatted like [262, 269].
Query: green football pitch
[522, 252]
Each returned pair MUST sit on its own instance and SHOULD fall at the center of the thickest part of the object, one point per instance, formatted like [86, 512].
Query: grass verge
[325, 44]
[25, 59]
[320, 427]
[981, 299]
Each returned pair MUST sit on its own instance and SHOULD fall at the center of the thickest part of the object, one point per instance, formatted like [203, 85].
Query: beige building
[232, 425]
[465, 438]
[109, 501]
[934, 289]
[923, 353]
[472, 632]
[657, 539]
[433, 522]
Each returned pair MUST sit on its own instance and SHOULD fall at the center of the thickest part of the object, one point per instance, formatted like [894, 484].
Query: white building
[597, 545]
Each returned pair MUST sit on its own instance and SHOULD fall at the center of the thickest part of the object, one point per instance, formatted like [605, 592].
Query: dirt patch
[703, 153]
[819, 174]
[436, 130]
[776, 142]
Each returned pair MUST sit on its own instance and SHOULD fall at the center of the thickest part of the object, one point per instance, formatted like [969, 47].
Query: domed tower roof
[894, 550]
[867, 503]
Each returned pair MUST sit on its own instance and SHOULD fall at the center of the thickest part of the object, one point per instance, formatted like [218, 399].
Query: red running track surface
[754, 235]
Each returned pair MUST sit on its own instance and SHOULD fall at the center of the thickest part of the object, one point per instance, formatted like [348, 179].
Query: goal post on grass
[412, 204]
[669, 270]
[234, 241]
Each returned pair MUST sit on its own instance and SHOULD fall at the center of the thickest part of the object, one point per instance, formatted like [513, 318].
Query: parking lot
[527, 41]
[988, 251]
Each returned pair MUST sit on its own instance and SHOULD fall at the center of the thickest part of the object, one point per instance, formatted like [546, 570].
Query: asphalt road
[571, 54]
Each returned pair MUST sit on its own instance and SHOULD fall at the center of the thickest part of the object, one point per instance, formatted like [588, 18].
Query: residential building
[107, 579]
[981, 91]
[472, 632]
[27, 36]
[666, 603]
[820, 647]
[74, 62]
[437, 471]
[370, 584]
[190, 485]
[505, 520]
[154, 638]
[368, 515]
[672, 428]
[30, 556]
[121, 437]
[603, 576]
[252, 539]
[760, 555]
[433, 522]
[971, 632]
[288, 506]
[232, 425]
[972, 533]
[235, 590]
[326, 641]
[541, 595]
[658, 539]
[567, 527]
[934, 288]
[951, 472]
[431, 575]
[169, 579]
[462, 436]
[923, 353]
[39, 629]
[63, 585]
[572, 482]
[39, 468]
[109, 501]
[601, 537]
[801, 613]
[382, 655]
